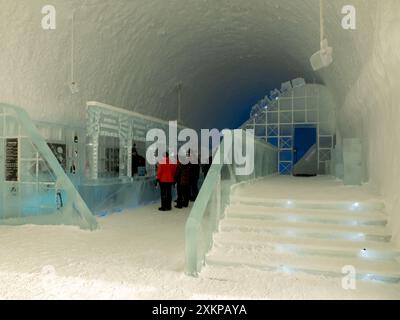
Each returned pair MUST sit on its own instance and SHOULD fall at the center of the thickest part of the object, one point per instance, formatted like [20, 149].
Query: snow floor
[139, 254]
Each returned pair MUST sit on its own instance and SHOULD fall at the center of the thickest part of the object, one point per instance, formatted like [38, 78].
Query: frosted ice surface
[352, 158]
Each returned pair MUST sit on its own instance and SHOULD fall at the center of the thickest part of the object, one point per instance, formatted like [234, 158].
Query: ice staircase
[317, 237]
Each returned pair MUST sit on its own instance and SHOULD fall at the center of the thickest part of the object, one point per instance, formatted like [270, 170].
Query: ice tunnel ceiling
[226, 54]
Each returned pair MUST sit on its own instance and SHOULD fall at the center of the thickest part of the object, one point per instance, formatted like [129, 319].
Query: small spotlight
[285, 269]
[355, 206]
[364, 253]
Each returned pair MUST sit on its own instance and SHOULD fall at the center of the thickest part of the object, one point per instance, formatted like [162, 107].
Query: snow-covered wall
[371, 106]
[225, 53]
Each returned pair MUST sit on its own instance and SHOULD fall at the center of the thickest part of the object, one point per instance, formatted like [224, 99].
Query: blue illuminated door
[304, 139]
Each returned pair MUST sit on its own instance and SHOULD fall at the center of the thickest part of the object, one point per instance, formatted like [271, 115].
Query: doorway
[305, 161]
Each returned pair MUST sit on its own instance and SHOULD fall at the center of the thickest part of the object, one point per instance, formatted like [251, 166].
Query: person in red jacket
[166, 178]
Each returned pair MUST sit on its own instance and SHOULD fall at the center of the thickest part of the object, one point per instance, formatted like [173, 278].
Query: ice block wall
[34, 188]
[112, 133]
[223, 53]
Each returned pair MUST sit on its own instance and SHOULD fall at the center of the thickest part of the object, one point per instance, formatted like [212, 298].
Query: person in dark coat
[166, 177]
[194, 180]
[182, 178]
[206, 167]
[137, 161]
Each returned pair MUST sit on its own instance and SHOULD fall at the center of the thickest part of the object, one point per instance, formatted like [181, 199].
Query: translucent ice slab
[34, 187]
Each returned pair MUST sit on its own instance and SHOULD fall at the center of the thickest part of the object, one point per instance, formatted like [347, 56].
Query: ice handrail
[88, 221]
[195, 256]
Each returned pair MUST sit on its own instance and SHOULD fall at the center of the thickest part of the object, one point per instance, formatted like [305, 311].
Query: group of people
[184, 176]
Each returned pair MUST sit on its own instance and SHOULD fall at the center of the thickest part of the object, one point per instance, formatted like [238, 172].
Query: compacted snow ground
[139, 254]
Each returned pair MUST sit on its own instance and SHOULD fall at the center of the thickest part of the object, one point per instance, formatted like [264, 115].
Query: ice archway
[226, 54]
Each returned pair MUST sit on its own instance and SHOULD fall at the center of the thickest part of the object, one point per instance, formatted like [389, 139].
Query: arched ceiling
[134, 53]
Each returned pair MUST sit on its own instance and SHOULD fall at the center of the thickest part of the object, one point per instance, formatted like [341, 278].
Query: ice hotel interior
[298, 194]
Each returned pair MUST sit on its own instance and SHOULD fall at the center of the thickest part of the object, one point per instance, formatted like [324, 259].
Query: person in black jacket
[137, 161]
[206, 167]
[194, 179]
[182, 179]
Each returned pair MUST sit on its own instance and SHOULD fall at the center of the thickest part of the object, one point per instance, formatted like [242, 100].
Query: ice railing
[213, 198]
[34, 187]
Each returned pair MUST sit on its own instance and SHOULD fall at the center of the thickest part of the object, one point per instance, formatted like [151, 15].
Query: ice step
[302, 229]
[371, 205]
[307, 246]
[272, 260]
[307, 215]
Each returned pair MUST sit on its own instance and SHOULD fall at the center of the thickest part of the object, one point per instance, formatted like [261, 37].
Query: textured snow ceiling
[225, 53]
